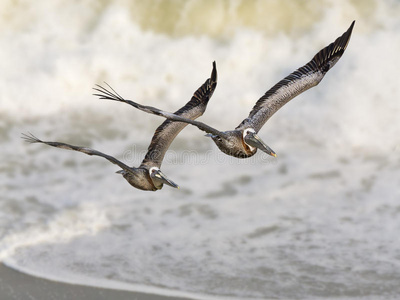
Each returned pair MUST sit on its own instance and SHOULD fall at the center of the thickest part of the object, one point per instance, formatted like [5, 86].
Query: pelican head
[241, 143]
[159, 178]
[147, 179]
[251, 139]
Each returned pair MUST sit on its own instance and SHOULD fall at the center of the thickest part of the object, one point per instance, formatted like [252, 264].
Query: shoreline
[17, 285]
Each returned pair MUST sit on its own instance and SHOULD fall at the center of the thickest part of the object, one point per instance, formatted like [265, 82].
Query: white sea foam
[319, 221]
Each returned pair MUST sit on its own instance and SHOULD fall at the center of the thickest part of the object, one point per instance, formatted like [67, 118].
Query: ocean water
[320, 221]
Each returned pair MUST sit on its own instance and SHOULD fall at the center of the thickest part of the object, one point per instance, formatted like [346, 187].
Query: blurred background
[321, 220]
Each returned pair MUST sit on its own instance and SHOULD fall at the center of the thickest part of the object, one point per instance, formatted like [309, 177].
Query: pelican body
[148, 175]
[243, 141]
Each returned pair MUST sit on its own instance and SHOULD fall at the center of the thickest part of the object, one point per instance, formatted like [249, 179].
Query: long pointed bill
[161, 176]
[254, 140]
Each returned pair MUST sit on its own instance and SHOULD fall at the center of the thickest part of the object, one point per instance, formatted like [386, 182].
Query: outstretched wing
[30, 138]
[299, 81]
[168, 130]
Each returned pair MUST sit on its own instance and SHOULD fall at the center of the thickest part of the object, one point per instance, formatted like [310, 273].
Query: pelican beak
[162, 178]
[254, 140]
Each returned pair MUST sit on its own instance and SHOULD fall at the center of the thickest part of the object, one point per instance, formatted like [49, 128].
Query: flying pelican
[148, 175]
[243, 141]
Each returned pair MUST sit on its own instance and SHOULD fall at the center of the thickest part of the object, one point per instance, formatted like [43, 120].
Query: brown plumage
[243, 141]
[297, 82]
[168, 130]
[148, 175]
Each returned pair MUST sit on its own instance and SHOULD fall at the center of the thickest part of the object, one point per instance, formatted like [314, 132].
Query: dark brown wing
[30, 138]
[168, 130]
[299, 81]
[108, 95]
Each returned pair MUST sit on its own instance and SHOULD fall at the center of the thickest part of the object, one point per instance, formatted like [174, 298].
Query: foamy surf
[320, 221]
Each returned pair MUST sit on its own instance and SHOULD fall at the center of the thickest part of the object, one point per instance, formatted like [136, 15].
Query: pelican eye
[248, 131]
[154, 172]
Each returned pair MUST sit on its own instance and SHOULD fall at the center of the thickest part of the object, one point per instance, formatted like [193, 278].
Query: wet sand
[15, 285]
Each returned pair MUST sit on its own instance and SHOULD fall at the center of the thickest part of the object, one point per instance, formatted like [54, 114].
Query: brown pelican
[243, 141]
[148, 175]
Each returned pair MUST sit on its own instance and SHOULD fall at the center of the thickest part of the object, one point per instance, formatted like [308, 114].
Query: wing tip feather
[30, 138]
[326, 58]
